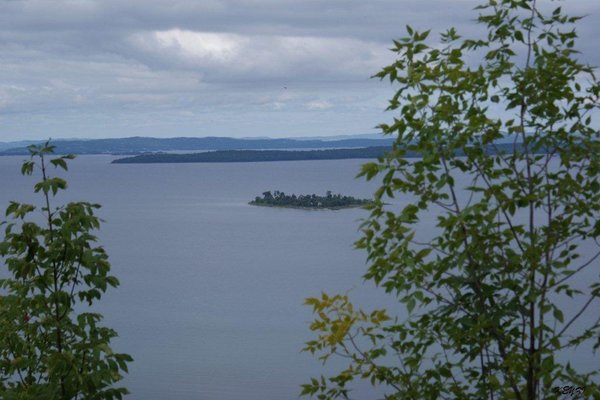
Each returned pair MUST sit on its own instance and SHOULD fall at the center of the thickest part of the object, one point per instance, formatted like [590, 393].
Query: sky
[239, 68]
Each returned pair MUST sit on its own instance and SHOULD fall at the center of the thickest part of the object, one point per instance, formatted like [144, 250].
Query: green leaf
[59, 162]
[558, 315]
[519, 36]
[27, 167]
[410, 304]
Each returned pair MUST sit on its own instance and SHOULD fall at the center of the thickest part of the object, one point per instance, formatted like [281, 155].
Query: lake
[210, 302]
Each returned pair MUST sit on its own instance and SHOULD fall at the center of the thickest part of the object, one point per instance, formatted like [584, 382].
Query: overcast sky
[242, 68]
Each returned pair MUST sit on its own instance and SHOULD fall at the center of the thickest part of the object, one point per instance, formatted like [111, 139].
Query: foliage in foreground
[484, 291]
[49, 347]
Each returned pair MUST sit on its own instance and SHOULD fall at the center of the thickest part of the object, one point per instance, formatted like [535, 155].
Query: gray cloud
[96, 68]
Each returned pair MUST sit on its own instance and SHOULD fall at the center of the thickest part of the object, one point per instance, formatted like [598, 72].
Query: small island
[310, 201]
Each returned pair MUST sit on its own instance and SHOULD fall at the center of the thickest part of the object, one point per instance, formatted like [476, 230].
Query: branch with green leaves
[48, 349]
[484, 293]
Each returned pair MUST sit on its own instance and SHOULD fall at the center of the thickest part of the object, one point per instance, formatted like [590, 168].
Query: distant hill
[139, 145]
[20, 143]
[341, 137]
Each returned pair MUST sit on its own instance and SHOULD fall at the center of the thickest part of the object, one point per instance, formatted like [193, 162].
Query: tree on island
[51, 345]
[280, 199]
[485, 293]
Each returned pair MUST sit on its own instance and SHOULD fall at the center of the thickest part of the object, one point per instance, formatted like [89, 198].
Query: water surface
[210, 302]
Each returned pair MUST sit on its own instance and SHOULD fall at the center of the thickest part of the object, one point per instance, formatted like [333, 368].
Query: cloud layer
[110, 68]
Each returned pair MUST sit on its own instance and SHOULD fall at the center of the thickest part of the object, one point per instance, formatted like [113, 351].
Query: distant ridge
[139, 145]
[20, 143]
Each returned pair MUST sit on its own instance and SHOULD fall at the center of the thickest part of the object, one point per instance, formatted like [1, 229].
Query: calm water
[210, 302]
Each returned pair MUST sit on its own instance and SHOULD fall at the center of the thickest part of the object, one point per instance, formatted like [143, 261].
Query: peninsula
[221, 156]
[310, 201]
[226, 156]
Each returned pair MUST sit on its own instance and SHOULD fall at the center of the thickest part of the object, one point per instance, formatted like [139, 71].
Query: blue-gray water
[210, 302]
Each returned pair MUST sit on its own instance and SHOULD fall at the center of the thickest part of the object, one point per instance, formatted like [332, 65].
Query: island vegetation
[309, 201]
